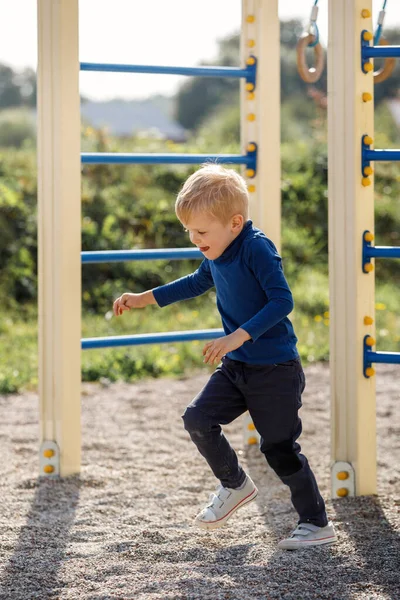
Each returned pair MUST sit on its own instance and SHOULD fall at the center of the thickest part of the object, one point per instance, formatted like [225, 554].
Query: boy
[260, 369]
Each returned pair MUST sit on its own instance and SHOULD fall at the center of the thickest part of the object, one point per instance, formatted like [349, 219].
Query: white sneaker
[224, 503]
[307, 534]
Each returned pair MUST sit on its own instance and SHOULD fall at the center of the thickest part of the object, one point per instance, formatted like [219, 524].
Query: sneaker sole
[295, 545]
[221, 522]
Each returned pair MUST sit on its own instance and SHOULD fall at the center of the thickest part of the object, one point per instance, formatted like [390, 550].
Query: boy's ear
[237, 222]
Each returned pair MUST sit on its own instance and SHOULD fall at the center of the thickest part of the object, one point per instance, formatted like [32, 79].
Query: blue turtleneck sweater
[252, 293]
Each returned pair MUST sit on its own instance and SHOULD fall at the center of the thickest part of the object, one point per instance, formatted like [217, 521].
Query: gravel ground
[122, 530]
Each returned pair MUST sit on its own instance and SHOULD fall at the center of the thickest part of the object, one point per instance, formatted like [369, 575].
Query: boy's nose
[195, 239]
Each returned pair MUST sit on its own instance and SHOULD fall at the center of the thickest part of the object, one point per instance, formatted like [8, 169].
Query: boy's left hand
[213, 351]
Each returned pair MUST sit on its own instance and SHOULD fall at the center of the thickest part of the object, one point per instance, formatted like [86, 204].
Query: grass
[19, 348]
[18, 353]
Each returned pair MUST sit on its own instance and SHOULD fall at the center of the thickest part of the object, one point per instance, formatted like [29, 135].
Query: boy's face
[210, 235]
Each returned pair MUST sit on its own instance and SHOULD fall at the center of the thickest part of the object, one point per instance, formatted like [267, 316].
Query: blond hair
[215, 190]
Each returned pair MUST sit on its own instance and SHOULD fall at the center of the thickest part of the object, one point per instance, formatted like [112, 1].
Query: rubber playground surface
[122, 529]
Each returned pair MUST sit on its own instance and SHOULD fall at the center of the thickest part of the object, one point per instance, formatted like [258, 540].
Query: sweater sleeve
[186, 287]
[266, 265]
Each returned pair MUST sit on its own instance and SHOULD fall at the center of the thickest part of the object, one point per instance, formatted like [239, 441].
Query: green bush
[17, 127]
[127, 207]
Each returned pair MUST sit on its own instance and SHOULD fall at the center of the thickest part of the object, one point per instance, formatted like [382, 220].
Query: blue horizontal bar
[165, 70]
[103, 158]
[381, 51]
[105, 256]
[381, 154]
[382, 251]
[383, 357]
[151, 338]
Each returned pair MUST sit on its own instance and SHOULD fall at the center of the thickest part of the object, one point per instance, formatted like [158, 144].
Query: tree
[26, 81]
[10, 93]
[17, 89]
[200, 97]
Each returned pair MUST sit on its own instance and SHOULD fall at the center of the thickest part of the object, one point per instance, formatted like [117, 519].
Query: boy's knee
[283, 457]
[195, 421]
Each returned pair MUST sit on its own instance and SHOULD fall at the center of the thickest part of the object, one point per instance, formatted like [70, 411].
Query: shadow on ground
[364, 563]
[32, 570]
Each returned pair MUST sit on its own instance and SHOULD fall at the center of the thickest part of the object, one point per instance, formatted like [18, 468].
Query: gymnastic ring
[309, 75]
[388, 65]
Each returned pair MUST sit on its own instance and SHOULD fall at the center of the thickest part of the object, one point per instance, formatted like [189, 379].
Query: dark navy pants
[272, 395]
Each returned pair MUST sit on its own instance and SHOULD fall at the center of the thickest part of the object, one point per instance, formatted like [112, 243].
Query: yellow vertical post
[260, 112]
[260, 124]
[351, 212]
[59, 230]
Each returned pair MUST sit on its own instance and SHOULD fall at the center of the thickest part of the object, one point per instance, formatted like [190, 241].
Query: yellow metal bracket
[343, 480]
[49, 459]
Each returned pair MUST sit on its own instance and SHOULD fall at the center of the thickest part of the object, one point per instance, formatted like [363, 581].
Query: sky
[159, 32]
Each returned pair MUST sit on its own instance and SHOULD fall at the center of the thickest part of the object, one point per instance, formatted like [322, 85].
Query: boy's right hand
[128, 301]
